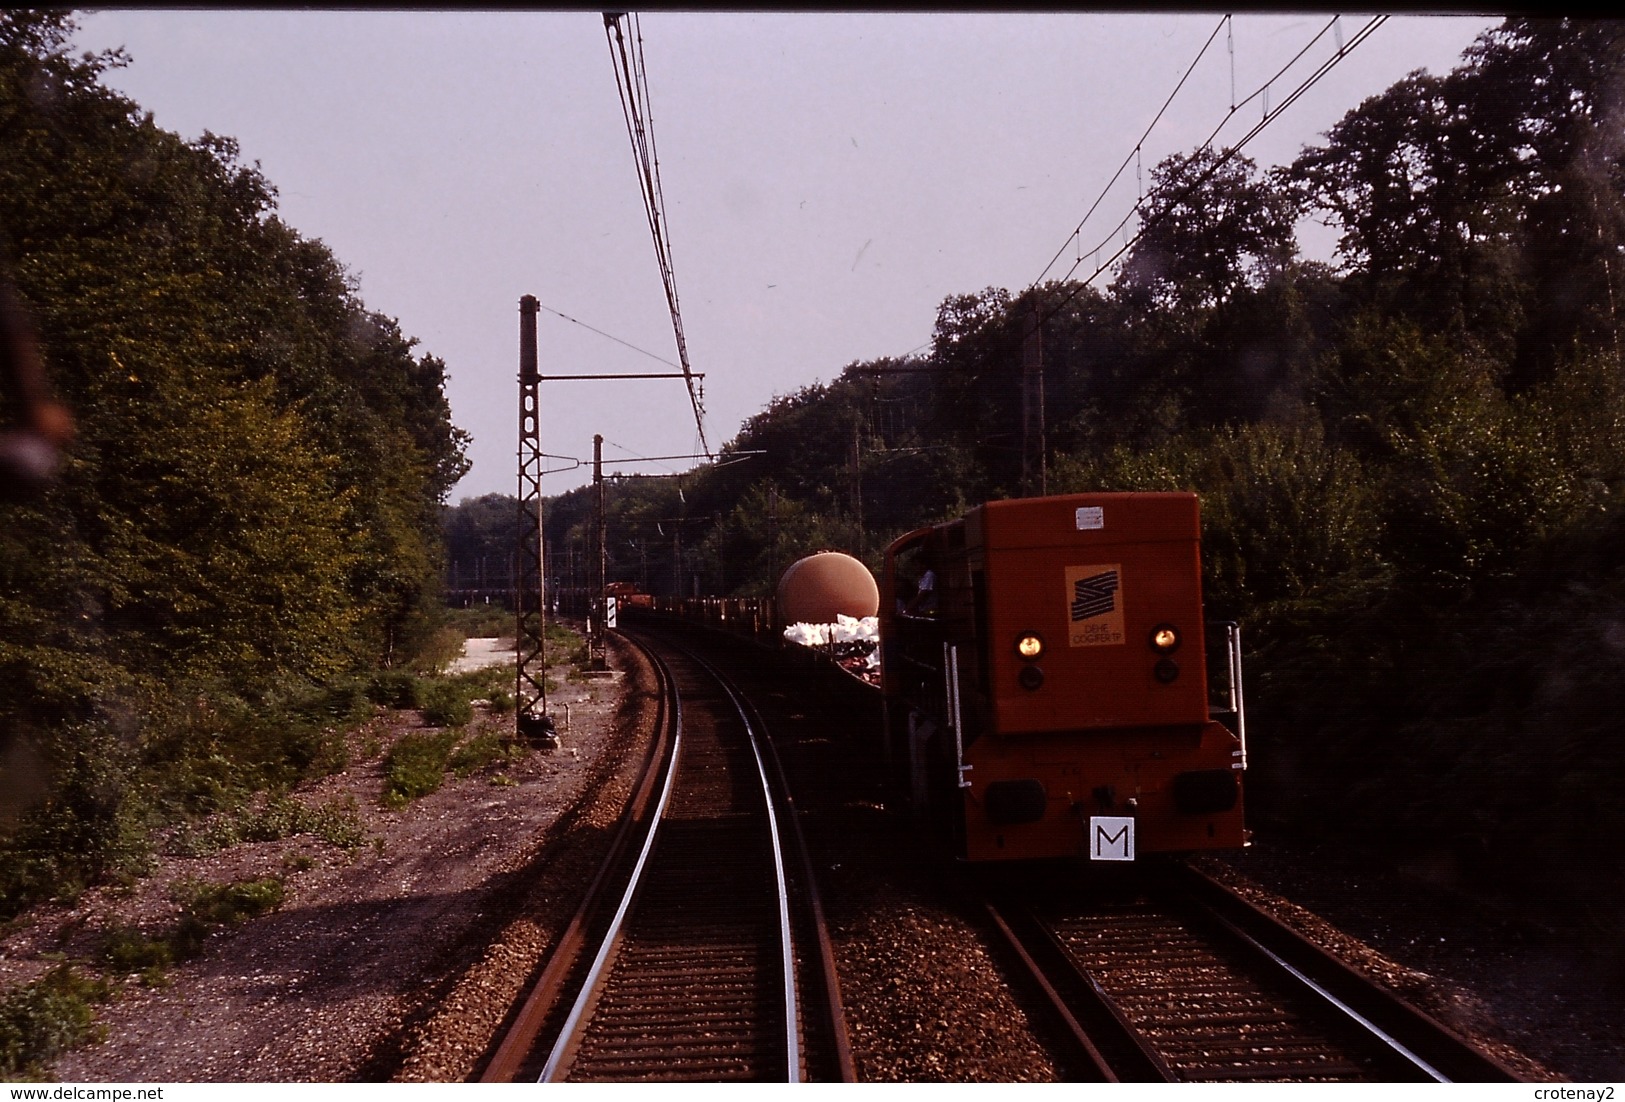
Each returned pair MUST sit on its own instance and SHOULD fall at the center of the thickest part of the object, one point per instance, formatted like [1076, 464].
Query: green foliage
[45, 1018]
[396, 689]
[1211, 229]
[416, 765]
[222, 904]
[209, 753]
[1286, 516]
[446, 704]
[337, 823]
[126, 950]
[481, 621]
[84, 827]
[481, 534]
[484, 750]
[251, 504]
[204, 906]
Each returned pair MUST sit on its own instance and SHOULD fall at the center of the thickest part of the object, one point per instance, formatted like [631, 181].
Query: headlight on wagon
[1030, 646]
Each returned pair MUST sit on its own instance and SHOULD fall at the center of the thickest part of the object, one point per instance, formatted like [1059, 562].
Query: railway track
[704, 967]
[698, 953]
[1187, 982]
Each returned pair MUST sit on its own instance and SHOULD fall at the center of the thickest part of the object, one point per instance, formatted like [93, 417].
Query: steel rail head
[841, 1041]
[508, 1060]
[569, 1035]
[1058, 1003]
[786, 943]
[1435, 1049]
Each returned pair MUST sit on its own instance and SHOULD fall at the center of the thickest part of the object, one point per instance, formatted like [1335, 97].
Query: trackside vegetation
[241, 556]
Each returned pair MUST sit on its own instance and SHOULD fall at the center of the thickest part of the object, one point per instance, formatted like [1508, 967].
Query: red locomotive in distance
[1044, 664]
[627, 595]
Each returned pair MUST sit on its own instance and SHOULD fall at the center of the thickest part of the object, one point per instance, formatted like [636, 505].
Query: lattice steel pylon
[531, 720]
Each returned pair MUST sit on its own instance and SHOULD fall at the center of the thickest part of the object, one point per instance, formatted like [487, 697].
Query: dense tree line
[1411, 461]
[251, 506]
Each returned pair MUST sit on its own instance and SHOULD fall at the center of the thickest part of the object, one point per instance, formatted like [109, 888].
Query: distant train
[628, 595]
[1044, 664]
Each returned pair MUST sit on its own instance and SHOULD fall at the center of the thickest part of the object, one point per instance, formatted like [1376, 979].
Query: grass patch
[562, 645]
[204, 906]
[127, 950]
[223, 904]
[446, 703]
[416, 765]
[337, 823]
[45, 1018]
[419, 762]
[483, 750]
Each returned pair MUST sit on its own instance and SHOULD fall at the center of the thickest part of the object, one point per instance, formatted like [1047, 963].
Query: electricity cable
[1135, 153]
[632, 83]
[1269, 116]
[610, 336]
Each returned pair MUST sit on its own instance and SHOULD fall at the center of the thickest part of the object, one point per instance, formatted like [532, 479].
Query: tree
[1487, 202]
[1210, 228]
[253, 498]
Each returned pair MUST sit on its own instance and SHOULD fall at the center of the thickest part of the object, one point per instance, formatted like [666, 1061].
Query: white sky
[829, 178]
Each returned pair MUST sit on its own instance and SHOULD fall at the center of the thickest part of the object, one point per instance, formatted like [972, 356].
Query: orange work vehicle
[1048, 689]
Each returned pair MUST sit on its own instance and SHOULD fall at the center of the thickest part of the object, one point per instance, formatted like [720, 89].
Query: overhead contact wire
[631, 81]
[1134, 155]
[1269, 116]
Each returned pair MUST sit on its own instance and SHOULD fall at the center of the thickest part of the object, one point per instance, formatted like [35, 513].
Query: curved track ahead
[682, 965]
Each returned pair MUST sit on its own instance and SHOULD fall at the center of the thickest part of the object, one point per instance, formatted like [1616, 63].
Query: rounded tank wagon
[818, 588]
[1045, 666]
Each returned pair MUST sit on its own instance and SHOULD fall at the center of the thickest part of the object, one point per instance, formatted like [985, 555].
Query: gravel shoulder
[368, 943]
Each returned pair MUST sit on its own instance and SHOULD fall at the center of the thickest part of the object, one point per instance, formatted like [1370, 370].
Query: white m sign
[1111, 838]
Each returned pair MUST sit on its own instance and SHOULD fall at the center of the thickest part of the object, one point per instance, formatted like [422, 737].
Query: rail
[1186, 981]
[693, 974]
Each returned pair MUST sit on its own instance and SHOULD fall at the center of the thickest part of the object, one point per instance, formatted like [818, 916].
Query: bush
[210, 748]
[45, 1018]
[86, 827]
[126, 949]
[415, 766]
[395, 689]
[446, 704]
[439, 650]
[229, 903]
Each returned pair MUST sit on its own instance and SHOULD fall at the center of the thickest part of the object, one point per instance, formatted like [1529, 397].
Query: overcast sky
[829, 178]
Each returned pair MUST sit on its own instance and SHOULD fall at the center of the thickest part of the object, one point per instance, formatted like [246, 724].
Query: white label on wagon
[1089, 517]
[1111, 838]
